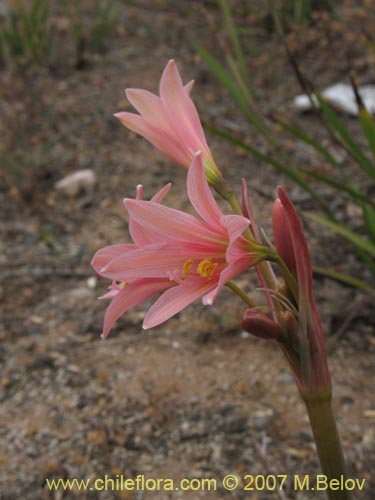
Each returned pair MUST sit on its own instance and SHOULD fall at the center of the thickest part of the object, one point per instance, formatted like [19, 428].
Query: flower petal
[200, 194]
[167, 144]
[171, 302]
[106, 254]
[139, 234]
[227, 274]
[181, 110]
[172, 225]
[150, 107]
[238, 246]
[130, 296]
[151, 261]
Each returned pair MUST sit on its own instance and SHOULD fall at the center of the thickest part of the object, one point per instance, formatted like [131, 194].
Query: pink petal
[110, 294]
[106, 254]
[167, 144]
[238, 247]
[151, 261]
[138, 233]
[188, 87]
[200, 194]
[150, 107]
[158, 197]
[232, 270]
[181, 110]
[173, 225]
[130, 296]
[171, 302]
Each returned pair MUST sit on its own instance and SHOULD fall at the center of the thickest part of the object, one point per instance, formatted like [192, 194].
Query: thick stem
[323, 424]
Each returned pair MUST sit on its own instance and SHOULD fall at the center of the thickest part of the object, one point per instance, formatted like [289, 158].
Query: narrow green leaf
[232, 31]
[338, 228]
[296, 132]
[345, 136]
[222, 75]
[368, 125]
[289, 171]
[369, 218]
[357, 195]
[344, 278]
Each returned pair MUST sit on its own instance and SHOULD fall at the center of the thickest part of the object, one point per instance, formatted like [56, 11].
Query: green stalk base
[323, 424]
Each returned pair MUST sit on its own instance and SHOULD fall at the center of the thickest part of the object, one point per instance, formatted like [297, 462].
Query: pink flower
[183, 256]
[291, 245]
[170, 122]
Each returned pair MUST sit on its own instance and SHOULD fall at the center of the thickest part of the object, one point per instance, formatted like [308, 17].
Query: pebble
[235, 423]
[262, 419]
[284, 377]
[73, 184]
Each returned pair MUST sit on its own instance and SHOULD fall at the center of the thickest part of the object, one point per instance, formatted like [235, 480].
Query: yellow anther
[206, 268]
[123, 284]
[187, 266]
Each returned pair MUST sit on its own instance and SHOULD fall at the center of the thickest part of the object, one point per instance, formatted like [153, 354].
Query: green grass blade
[369, 218]
[368, 125]
[339, 127]
[338, 228]
[343, 278]
[357, 195]
[232, 31]
[296, 132]
[289, 171]
[223, 76]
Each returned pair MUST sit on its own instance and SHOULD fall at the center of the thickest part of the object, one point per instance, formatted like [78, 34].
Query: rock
[284, 377]
[42, 361]
[341, 96]
[234, 424]
[73, 184]
[262, 419]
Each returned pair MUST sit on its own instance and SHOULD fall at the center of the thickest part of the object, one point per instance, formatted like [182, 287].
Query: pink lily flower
[170, 122]
[292, 247]
[183, 256]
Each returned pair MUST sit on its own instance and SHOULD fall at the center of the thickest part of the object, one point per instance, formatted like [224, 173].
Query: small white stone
[72, 184]
[91, 282]
[341, 96]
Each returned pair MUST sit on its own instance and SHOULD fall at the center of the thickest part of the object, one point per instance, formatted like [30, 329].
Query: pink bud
[292, 246]
[283, 241]
[260, 325]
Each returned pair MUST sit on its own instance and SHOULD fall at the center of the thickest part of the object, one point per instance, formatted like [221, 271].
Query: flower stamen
[206, 268]
[186, 268]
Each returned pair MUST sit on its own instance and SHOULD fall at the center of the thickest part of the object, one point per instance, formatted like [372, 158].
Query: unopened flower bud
[282, 235]
[260, 325]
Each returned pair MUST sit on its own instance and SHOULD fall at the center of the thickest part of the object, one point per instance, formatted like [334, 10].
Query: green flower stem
[231, 199]
[323, 424]
[238, 291]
